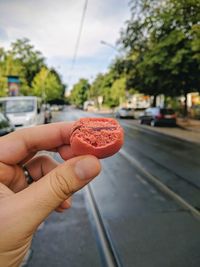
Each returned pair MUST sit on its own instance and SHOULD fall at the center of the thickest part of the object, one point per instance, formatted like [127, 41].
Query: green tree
[97, 88]
[31, 59]
[118, 91]
[166, 44]
[106, 85]
[10, 66]
[59, 80]
[79, 93]
[46, 85]
[3, 80]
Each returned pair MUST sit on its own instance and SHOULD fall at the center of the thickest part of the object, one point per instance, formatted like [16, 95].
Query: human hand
[23, 207]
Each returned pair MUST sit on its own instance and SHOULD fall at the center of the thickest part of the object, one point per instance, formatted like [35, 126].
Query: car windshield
[19, 106]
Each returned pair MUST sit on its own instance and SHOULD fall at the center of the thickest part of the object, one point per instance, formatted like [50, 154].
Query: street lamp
[108, 44]
[120, 55]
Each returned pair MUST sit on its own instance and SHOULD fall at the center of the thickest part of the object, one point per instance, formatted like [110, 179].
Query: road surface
[142, 210]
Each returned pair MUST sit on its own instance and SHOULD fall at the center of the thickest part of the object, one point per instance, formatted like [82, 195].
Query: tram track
[108, 253]
[106, 247]
[160, 185]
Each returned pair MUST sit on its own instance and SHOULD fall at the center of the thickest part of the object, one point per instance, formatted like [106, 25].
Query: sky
[53, 26]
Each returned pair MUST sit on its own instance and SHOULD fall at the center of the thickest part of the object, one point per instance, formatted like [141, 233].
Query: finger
[13, 177]
[5, 191]
[39, 167]
[64, 205]
[23, 142]
[42, 197]
[29, 157]
[65, 152]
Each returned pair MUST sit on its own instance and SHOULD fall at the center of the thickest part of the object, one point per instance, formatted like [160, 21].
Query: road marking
[160, 185]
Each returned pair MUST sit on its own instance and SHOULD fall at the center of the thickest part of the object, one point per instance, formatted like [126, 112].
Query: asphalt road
[144, 224]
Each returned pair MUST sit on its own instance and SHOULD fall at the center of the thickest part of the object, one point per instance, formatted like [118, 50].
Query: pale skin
[23, 208]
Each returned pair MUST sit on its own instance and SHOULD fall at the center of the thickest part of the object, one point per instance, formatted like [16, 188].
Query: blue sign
[13, 85]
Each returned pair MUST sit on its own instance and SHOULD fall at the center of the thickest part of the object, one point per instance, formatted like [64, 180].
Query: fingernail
[87, 168]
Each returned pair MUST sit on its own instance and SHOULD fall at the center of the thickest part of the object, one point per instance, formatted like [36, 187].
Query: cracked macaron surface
[101, 137]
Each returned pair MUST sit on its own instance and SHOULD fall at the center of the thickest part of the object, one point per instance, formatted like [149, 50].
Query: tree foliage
[79, 93]
[161, 44]
[118, 91]
[10, 66]
[23, 60]
[164, 42]
[46, 85]
[31, 59]
[111, 86]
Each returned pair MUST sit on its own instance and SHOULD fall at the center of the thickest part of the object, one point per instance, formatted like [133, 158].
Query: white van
[23, 111]
[89, 105]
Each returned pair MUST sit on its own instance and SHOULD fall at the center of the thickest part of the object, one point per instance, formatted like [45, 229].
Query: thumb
[37, 201]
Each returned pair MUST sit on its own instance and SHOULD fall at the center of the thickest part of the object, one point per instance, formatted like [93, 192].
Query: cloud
[3, 34]
[52, 26]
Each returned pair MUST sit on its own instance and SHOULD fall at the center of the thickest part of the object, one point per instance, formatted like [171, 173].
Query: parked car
[23, 111]
[54, 107]
[158, 116]
[5, 125]
[124, 113]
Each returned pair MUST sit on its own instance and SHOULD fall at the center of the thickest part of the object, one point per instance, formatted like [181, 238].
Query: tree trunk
[154, 101]
[185, 111]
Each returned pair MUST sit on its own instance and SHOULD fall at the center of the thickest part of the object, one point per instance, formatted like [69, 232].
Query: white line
[160, 185]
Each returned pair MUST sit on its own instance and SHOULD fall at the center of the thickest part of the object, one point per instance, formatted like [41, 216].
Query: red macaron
[101, 137]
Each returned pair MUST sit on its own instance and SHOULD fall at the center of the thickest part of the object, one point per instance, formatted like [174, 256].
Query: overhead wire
[78, 40]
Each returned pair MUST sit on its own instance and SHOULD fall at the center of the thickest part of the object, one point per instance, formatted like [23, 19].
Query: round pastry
[101, 137]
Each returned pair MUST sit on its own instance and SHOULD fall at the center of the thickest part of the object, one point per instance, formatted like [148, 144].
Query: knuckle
[61, 186]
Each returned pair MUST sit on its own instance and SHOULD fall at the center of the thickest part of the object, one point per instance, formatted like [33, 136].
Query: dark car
[158, 116]
[5, 125]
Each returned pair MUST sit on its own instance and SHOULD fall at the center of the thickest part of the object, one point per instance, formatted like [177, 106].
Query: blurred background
[139, 62]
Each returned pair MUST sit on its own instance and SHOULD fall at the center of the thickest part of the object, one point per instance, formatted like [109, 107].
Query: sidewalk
[188, 130]
[189, 124]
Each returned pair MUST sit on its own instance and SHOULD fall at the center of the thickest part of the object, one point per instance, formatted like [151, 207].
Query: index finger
[18, 145]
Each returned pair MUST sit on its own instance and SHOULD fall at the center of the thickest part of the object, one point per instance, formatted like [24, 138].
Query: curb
[148, 129]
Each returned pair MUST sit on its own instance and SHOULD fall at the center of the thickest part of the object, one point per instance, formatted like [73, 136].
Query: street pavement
[146, 224]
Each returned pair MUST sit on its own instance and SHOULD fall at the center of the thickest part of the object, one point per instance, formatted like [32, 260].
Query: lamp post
[109, 45]
[119, 54]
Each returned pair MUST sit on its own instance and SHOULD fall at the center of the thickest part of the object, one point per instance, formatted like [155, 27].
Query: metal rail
[108, 253]
[161, 186]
